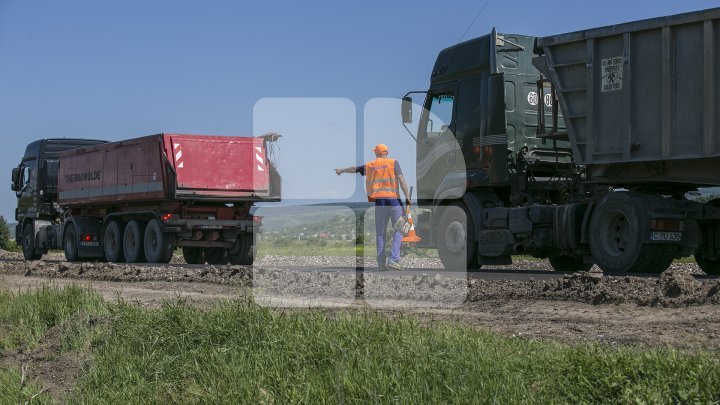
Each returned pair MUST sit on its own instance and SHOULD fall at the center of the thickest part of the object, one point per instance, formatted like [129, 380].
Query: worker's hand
[338, 171]
[408, 202]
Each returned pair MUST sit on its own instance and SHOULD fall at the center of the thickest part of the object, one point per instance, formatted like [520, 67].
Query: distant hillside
[297, 217]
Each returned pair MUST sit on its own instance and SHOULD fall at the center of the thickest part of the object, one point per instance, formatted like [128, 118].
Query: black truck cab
[34, 181]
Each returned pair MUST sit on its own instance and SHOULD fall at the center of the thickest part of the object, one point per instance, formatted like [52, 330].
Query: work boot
[394, 265]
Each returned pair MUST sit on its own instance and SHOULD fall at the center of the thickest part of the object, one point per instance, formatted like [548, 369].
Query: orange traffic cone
[411, 236]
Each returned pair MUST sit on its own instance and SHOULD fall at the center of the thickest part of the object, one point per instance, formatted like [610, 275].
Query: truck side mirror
[15, 178]
[406, 110]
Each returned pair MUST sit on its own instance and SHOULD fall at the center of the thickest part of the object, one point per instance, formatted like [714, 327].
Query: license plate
[89, 244]
[666, 236]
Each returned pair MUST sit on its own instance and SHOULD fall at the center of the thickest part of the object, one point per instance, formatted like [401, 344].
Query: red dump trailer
[137, 200]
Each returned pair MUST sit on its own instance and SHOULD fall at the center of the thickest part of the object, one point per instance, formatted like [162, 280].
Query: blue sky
[116, 70]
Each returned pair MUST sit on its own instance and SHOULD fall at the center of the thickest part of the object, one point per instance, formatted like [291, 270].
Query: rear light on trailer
[166, 217]
[258, 219]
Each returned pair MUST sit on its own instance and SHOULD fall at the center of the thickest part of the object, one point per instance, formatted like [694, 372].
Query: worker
[382, 178]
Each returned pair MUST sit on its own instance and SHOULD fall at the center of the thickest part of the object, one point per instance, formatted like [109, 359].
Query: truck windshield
[440, 117]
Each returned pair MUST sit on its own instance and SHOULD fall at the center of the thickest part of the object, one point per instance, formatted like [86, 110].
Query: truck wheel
[616, 238]
[216, 255]
[569, 263]
[158, 246]
[708, 266]
[70, 241]
[133, 242]
[243, 250]
[112, 242]
[28, 243]
[193, 255]
[456, 238]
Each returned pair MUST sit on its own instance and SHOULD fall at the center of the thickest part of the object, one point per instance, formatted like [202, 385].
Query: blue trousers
[387, 209]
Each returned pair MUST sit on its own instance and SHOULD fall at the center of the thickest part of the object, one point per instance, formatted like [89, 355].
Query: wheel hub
[455, 237]
[615, 235]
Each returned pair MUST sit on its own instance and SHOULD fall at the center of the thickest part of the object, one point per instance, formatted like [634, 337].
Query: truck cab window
[440, 115]
[26, 175]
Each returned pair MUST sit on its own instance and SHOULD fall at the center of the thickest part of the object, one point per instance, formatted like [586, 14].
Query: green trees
[4, 234]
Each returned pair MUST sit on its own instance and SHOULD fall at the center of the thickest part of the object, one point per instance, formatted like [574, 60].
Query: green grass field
[291, 247]
[237, 352]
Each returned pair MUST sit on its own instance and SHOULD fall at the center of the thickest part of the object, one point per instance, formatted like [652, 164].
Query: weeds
[238, 352]
[26, 317]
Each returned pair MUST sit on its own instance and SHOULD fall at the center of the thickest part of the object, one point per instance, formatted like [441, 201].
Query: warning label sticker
[612, 74]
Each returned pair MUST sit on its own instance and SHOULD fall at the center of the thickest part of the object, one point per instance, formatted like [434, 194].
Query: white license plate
[666, 236]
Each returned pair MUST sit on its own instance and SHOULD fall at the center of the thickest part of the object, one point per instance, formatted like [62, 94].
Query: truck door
[437, 148]
[28, 187]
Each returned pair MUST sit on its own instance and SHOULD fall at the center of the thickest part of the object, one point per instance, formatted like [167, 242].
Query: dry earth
[675, 308]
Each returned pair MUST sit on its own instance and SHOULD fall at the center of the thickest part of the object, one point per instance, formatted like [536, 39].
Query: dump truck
[139, 199]
[581, 147]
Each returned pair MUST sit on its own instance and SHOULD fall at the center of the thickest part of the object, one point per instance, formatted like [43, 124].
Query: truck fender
[474, 204]
[19, 228]
[475, 208]
[452, 187]
[585, 227]
[41, 228]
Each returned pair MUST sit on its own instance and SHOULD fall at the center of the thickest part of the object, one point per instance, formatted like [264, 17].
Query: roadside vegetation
[237, 352]
[280, 246]
[7, 238]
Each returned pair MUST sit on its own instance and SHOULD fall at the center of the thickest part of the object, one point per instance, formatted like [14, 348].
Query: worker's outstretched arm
[405, 190]
[351, 169]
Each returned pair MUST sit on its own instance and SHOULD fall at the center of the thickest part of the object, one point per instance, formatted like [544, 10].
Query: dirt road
[675, 309]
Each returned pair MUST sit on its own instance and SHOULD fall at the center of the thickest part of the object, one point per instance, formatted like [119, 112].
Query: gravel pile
[272, 280]
[676, 287]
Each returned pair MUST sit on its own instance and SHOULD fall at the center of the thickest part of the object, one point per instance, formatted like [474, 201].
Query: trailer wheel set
[621, 232]
[139, 199]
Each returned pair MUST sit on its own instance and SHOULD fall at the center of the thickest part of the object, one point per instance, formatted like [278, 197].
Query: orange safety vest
[380, 180]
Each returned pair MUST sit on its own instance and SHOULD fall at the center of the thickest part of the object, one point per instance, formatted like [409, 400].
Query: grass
[26, 317]
[292, 247]
[237, 352]
[13, 390]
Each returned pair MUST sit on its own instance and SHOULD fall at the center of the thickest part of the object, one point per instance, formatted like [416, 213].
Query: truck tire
[456, 238]
[193, 255]
[112, 242]
[158, 245]
[216, 255]
[711, 267]
[28, 243]
[616, 238]
[243, 251]
[70, 242]
[707, 265]
[133, 242]
[569, 263]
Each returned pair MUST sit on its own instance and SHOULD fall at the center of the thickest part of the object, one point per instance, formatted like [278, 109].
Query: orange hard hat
[380, 148]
